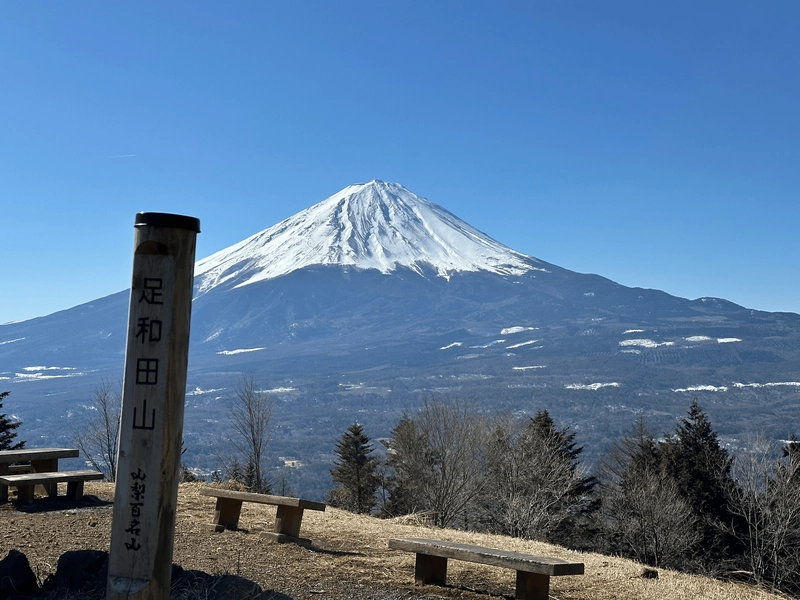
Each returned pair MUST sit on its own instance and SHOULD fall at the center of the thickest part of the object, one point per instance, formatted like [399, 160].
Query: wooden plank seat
[41, 460]
[26, 482]
[533, 572]
[287, 519]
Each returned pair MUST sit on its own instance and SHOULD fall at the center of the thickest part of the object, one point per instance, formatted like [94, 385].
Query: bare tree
[438, 458]
[645, 515]
[98, 441]
[251, 417]
[649, 520]
[766, 498]
[535, 485]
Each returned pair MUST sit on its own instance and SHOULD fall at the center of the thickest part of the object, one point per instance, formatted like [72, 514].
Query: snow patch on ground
[213, 336]
[765, 385]
[521, 345]
[238, 351]
[41, 376]
[492, 343]
[590, 386]
[453, 345]
[645, 343]
[516, 329]
[703, 388]
[199, 391]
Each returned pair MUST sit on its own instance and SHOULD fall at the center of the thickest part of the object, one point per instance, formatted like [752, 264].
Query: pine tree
[701, 470]
[8, 429]
[409, 459]
[354, 472]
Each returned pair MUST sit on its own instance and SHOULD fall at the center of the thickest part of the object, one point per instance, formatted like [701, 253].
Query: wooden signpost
[151, 426]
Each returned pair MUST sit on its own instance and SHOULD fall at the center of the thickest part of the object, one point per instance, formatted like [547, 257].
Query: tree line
[678, 500]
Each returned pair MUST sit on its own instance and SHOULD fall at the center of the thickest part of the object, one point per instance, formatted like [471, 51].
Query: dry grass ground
[350, 558]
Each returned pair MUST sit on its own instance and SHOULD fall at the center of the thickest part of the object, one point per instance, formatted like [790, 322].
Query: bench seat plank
[262, 498]
[488, 556]
[25, 483]
[50, 477]
[29, 454]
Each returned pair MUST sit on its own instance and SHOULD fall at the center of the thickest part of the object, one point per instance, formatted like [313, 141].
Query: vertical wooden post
[151, 426]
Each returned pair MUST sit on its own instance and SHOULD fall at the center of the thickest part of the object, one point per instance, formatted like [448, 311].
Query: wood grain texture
[488, 556]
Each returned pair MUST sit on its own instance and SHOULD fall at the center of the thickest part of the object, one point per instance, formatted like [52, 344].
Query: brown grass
[350, 558]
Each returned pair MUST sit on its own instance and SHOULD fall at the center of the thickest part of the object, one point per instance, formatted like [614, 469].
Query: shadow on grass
[319, 550]
[61, 503]
[82, 574]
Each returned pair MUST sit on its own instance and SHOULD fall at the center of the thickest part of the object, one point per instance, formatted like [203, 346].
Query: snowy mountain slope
[375, 225]
[367, 303]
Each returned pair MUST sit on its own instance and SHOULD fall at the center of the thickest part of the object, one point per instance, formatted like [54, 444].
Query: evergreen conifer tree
[354, 472]
[701, 470]
[8, 429]
[408, 457]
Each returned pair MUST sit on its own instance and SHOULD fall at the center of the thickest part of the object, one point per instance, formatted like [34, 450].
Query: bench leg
[226, 514]
[75, 490]
[532, 586]
[288, 519]
[430, 569]
[49, 465]
[287, 527]
[25, 494]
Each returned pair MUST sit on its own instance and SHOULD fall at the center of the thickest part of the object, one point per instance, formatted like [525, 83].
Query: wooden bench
[287, 520]
[26, 482]
[533, 572]
[38, 460]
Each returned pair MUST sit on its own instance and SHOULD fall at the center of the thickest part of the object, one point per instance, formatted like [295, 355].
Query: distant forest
[677, 500]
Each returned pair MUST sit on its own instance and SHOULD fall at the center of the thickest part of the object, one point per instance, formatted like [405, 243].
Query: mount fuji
[361, 306]
[376, 225]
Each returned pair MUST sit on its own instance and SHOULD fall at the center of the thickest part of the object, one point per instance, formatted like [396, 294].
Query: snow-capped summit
[373, 225]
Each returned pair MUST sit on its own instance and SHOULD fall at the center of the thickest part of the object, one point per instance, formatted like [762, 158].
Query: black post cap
[155, 219]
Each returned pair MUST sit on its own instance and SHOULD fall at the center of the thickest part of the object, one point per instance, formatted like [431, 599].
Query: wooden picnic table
[42, 460]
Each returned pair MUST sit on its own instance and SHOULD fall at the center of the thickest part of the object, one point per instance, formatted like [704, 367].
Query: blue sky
[657, 144]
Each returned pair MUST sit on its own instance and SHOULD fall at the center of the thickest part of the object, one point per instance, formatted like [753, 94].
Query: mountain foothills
[362, 306]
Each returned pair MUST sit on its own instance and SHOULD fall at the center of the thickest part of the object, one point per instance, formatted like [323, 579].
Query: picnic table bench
[533, 572]
[287, 519]
[26, 482]
[40, 460]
